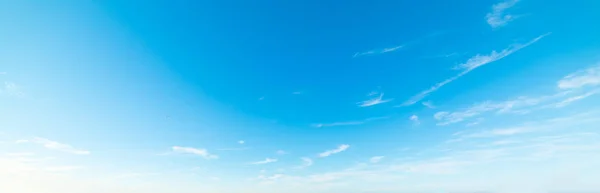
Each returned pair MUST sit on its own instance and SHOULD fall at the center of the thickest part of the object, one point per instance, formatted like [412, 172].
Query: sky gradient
[299, 96]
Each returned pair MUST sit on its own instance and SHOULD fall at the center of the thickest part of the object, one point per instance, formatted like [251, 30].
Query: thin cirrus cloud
[582, 78]
[573, 87]
[378, 99]
[498, 17]
[472, 64]
[415, 119]
[428, 104]
[376, 159]
[195, 151]
[339, 149]
[266, 161]
[53, 145]
[347, 123]
[377, 51]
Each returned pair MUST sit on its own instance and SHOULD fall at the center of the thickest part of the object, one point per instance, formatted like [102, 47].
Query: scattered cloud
[348, 123]
[281, 152]
[341, 148]
[582, 78]
[266, 161]
[377, 51]
[470, 65]
[428, 104]
[11, 89]
[195, 151]
[415, 119]
[574, 98]
[306, 162]
[241, 142]
[498, 17]
[376, 159]
[53, 145]
[374, 101]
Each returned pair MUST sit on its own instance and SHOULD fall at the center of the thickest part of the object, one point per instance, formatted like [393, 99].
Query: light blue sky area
[304, 96]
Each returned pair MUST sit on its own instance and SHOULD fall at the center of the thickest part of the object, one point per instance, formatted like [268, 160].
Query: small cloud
[53, 145]
[266, 161]
[374, 101]
[415, 119]
[281, 152]
[261, 98]
[195, 151]
[377, 51]
[376, 159]
[11, 89]
[297, 93]
[470, 65]
[476, 122]
[328, 153]
[306, 162]
[347, 123]
[575, 98]
[582, 78]
[498, 17]
[428, 104]
[241, 142]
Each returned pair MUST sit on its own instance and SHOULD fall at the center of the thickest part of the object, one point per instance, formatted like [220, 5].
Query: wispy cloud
[582, 78]
[241, 142]
[428, 104]
[195, 151]
[472, 64]
[234, 149]
[261, 98]
[11, 89]
[306, 162]
[377, 51]
[415, 119]
[297, 92]
[266, 161]
[340, 148]
[498, 17]
[570, 100]
[378, 99]
[347, 123]
[53, 145]
[281, 152]
[376, 159]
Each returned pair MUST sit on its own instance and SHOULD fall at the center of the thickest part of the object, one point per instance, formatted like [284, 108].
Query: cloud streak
[377, 51]
[195, 151]
[582, 78]
[472, 64]
[347, 123]
[266, 161]
[498, 17]
[374, 101]
[340, 149]
[53, 145]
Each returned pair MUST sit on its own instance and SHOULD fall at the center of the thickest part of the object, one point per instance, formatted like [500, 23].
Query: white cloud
[428, 104]
[195, 151]
[575, 98]
[296, 92]
[470, 65]
[53, 145]
[341, 148]
[378, 51]
[241, 142]
[498, 17]
[266, 161]
[234, 149]
[415, 119]
[373, 101]
[582, 78]
[281, 152]
[307, 162]
[347, 123]
[11, 89]
[376, 159]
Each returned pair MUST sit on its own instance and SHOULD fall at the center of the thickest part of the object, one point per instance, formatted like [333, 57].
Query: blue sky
[310, 96]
